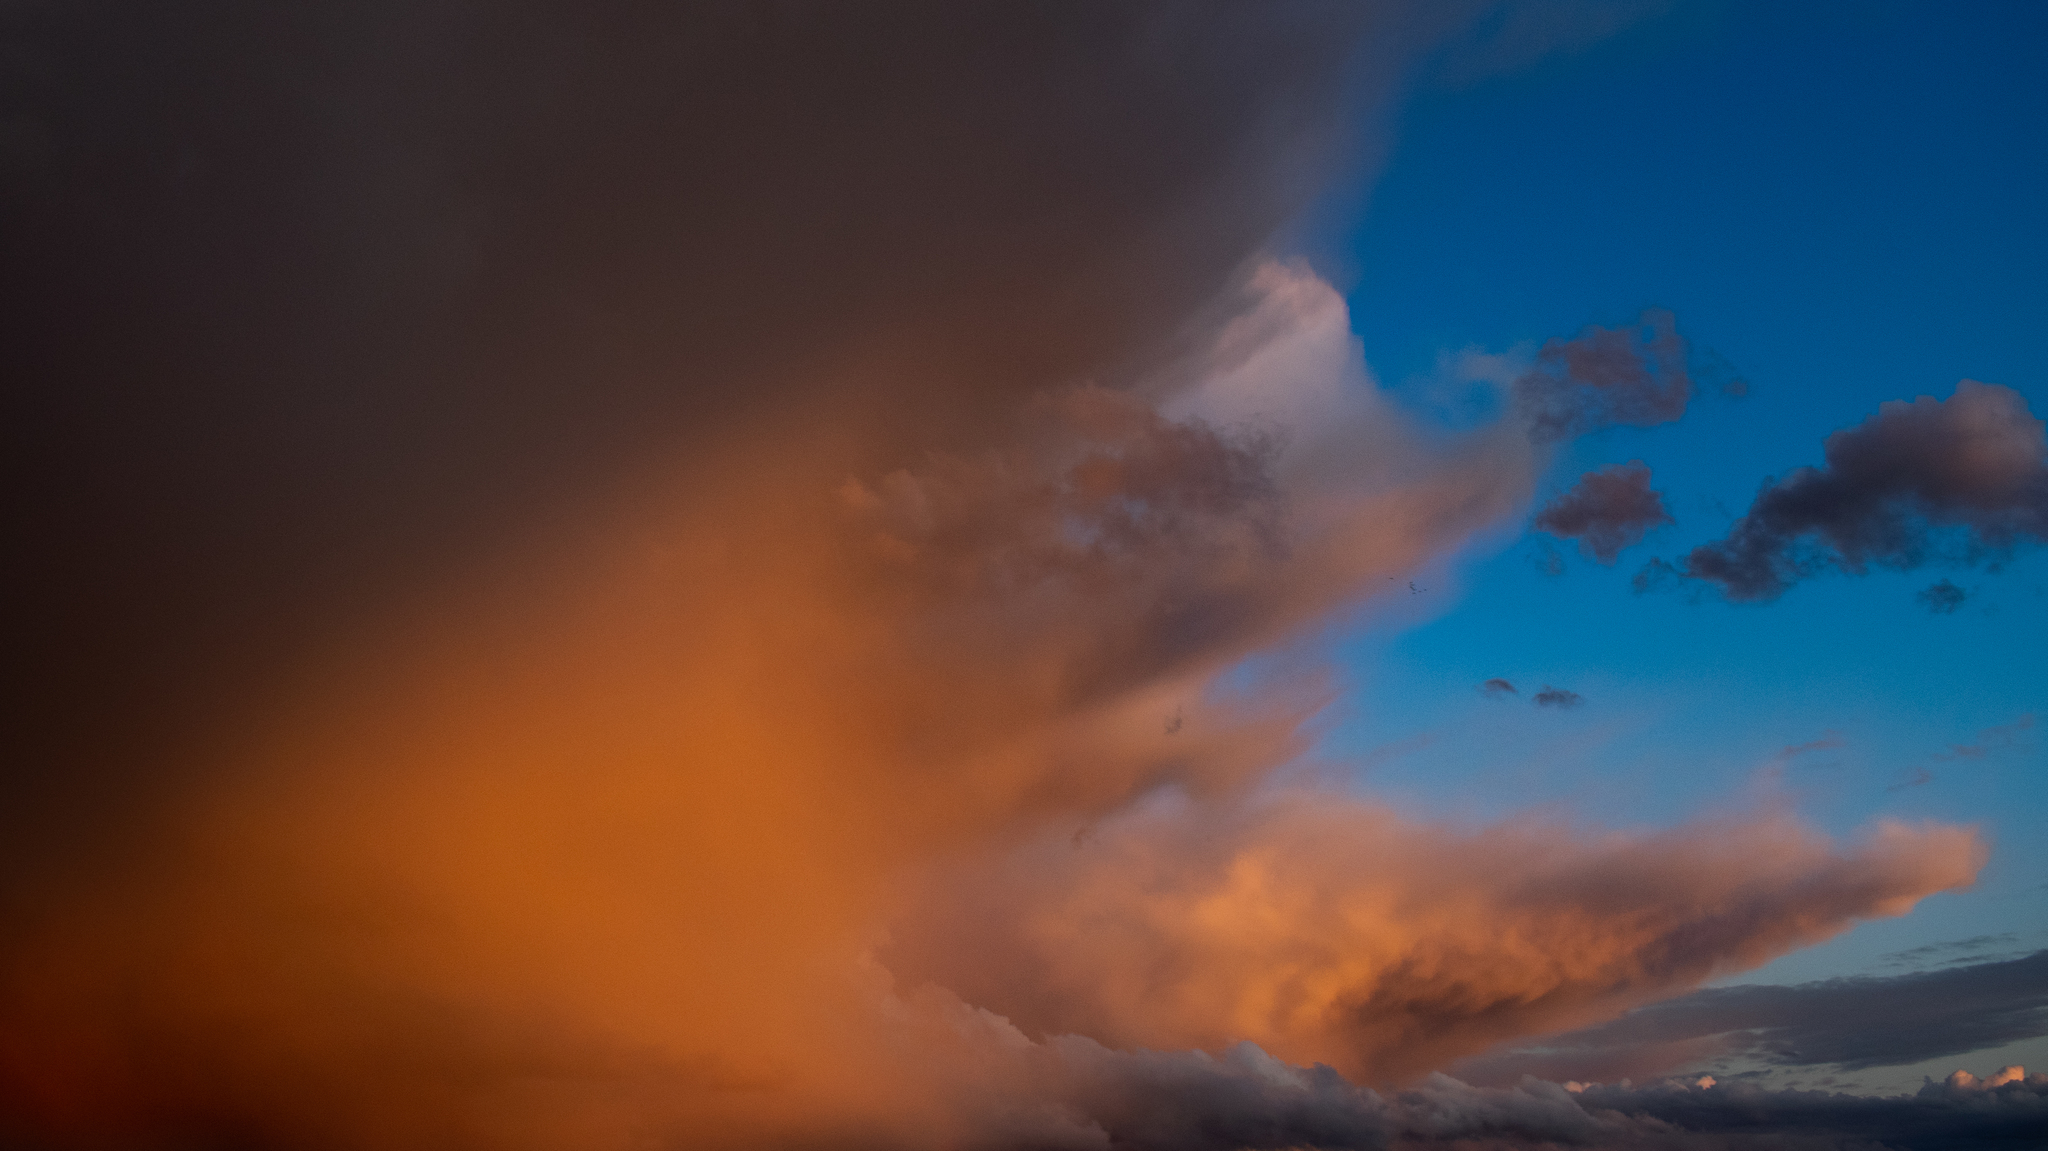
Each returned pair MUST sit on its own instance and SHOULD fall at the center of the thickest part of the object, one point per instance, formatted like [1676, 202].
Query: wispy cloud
[1947, 954]
[1989, 741]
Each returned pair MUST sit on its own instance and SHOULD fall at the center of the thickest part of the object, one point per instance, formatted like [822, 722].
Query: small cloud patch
[1942, 598]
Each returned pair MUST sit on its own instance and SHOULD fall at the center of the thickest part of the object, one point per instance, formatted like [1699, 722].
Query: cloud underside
[599, 579]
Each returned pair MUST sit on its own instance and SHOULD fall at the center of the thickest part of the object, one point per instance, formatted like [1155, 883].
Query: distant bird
[1413, 590]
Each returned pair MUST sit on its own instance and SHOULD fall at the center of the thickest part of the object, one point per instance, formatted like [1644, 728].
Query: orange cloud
[616, 849]
[1330, 930]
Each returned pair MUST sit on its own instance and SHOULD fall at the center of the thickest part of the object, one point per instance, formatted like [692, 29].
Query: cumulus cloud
[1606, 511]
[1851, 1023]
[1957, 480]
[1634, 376]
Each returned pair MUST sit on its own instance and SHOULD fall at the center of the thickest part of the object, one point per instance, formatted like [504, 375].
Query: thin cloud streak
[1634, 376]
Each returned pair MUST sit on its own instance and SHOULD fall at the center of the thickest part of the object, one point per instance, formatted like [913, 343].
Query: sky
[1119, 576]
[1831, 262]
[1840, 204]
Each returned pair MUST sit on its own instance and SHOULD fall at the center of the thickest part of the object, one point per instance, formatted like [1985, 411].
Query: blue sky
[1844, 204]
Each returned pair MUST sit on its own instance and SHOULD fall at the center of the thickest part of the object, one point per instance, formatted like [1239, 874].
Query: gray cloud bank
[1853, 1023]
[1243, 1099]
[1960, 480]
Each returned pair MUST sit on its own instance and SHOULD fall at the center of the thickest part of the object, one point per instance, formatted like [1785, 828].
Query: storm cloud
[1960, 480]
[580, 565]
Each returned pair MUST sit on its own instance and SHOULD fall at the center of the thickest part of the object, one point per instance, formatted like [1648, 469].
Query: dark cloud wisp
[1950, 953]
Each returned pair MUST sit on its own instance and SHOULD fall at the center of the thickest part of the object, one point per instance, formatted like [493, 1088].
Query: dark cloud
[1498, 688]
[1244, 1098]
[1557, 697]
[1634, 375]
[1606, 510]
[1942, 597]
[1852, 1023]
[1963, 1114]
[1960, 480]
[305, 308]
